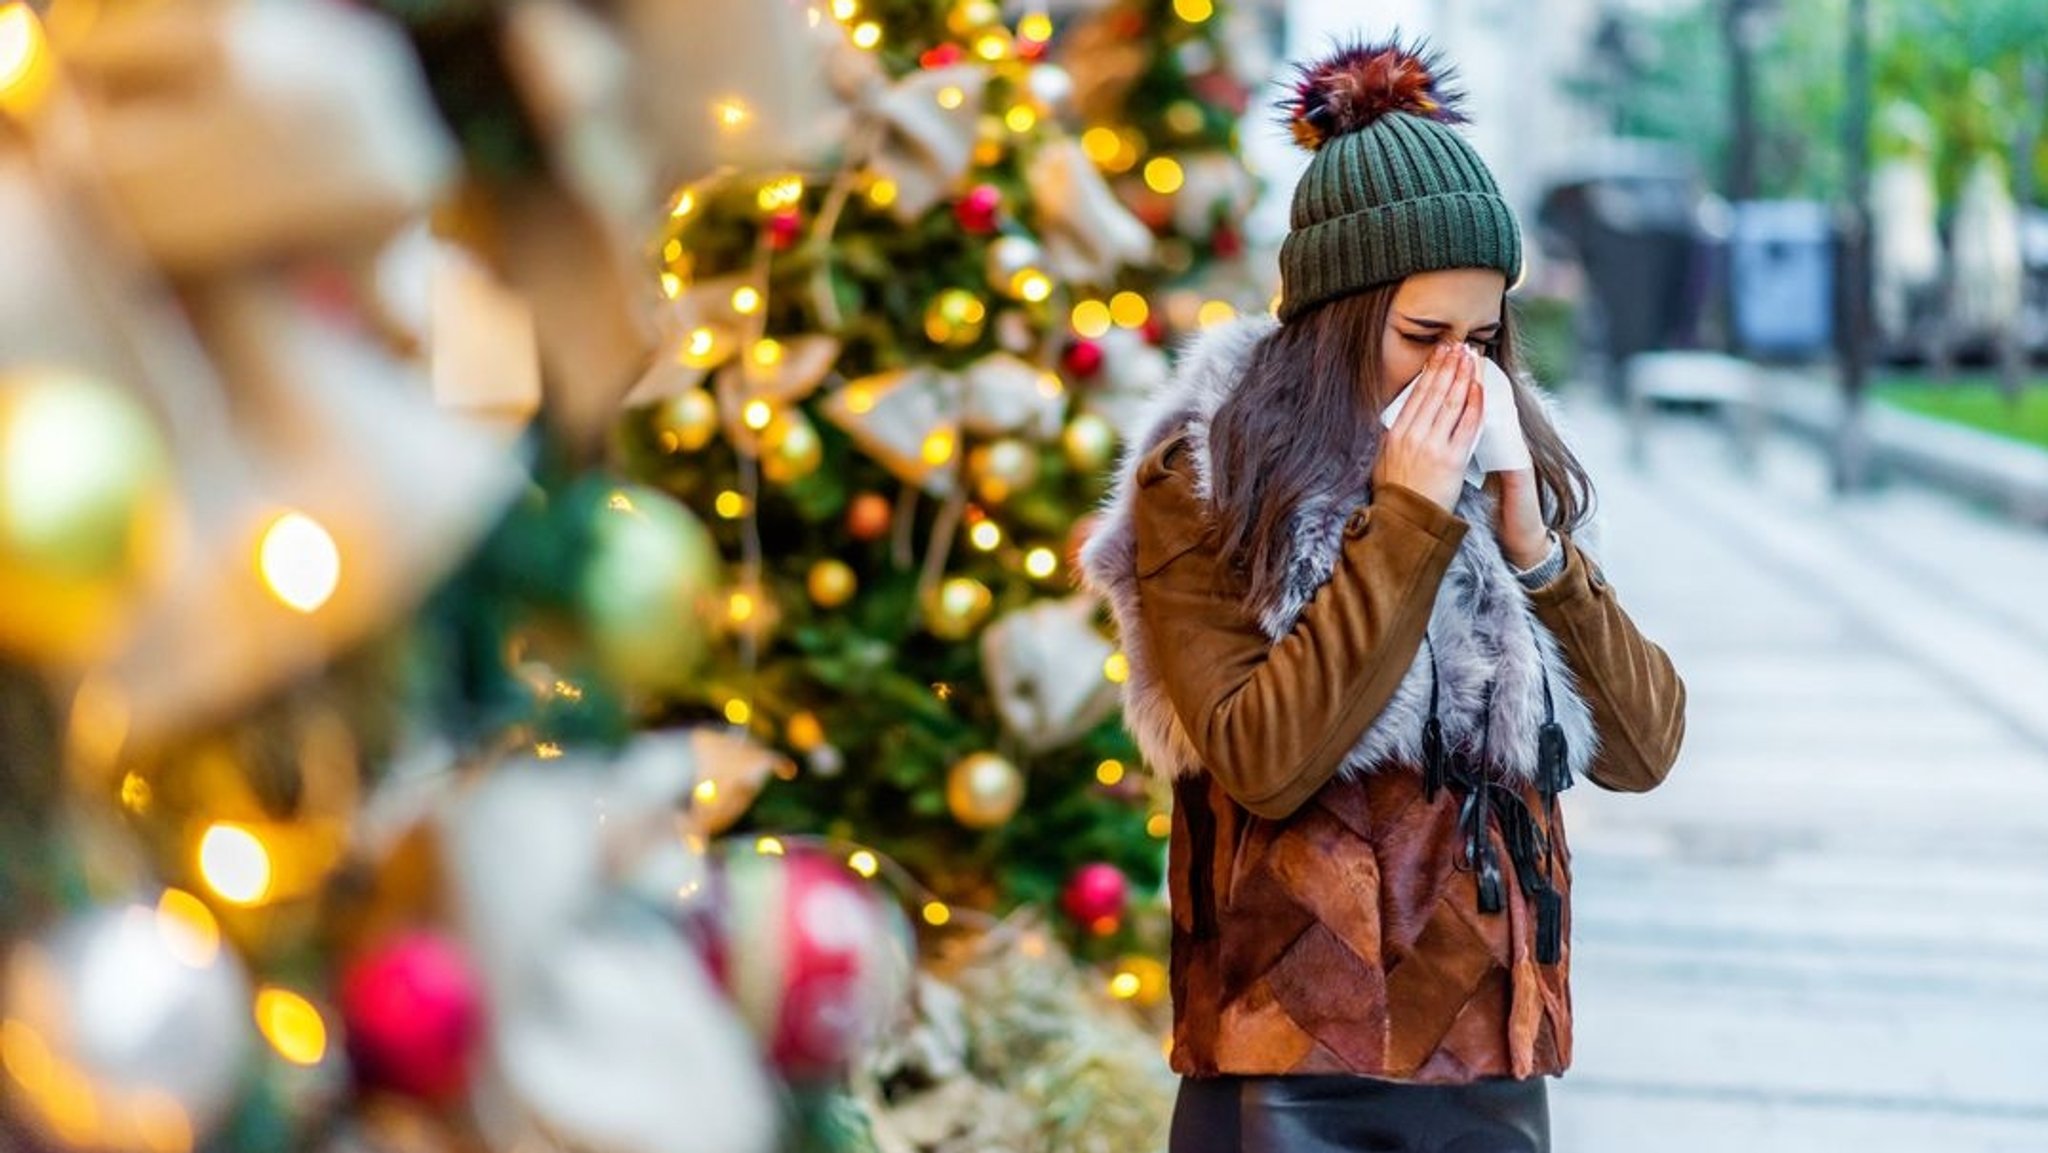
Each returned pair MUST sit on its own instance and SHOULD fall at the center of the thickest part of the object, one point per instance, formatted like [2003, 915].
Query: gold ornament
[983, 790]
[957, 608]
[1089, 442]
[790, 448]
[688, 422]
[955, 318]
[85, 486]
[1002, 469]
[832, 583]
[647, 587]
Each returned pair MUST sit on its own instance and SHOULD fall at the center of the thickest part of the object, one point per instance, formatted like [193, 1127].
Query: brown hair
[1306, 413]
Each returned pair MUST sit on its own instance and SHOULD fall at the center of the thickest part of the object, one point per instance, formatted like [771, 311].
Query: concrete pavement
[1829, 930]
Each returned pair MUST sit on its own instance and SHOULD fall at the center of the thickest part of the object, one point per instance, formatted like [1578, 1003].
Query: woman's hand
[1432, 439]
[1524, 538]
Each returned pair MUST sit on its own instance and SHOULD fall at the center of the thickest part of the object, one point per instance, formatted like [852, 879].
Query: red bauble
[785, 228]
[1226, 242]
[1082, 359]
[942, 56]
[1032, 50]
[811, 954]
[980, 209]
[1095, 897]
[1155, 329]
[867, 518]
[414, 1015]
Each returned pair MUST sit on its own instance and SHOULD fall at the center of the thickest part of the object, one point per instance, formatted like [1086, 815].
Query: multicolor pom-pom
[1351, 89]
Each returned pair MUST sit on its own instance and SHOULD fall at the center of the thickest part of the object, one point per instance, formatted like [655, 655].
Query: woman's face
[1459, 305]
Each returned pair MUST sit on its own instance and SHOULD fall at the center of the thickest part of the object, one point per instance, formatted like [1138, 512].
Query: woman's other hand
[1524, 538]
[1432, 439]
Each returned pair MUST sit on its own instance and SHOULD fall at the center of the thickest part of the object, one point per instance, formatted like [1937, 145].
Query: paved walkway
[1829, 931]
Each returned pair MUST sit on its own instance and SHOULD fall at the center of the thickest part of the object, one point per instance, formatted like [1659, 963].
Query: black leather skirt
[1336, 1114]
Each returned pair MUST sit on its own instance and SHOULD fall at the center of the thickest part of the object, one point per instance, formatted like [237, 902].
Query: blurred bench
[1731, 389]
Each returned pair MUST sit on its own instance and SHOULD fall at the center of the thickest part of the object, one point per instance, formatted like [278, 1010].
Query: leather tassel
[1434, 776]
[1549, 927]
[1553, 767]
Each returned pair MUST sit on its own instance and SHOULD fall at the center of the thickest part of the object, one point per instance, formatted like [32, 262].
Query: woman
[1368, 678]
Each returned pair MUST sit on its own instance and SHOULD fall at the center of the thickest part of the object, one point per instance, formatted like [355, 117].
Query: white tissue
[1501, 447]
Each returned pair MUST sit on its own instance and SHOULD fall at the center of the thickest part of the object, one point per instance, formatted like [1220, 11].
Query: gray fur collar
[1482, 630]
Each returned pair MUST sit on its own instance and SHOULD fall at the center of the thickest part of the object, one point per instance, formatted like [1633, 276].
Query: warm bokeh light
[1124, 985]
[1215, 312]
[936, 913]
[234, 863]
[746, 300]
[768, 847]
[1163, 175]
[292, 1025]
[730, 505]
[758, 414]
[1129, 310]
[1091, 318]
[300, 563]
[864, 863]
[24, 60]
[188, 928]
[1110, 772]
[1159, 825]
[1041, 563]
[1194, 11]
[951, 96]
[738, 712]
[1037, 27]
[1116, 669]
[1021, 118]
[986, 536]
[867, 34]
[938, 447]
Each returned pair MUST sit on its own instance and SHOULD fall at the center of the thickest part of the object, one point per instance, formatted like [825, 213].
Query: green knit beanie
[1392, 189]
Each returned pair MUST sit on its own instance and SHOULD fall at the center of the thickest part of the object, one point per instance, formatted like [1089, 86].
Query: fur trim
[1490, 650]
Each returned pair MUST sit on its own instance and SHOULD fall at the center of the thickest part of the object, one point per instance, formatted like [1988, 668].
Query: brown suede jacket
[1325, 923]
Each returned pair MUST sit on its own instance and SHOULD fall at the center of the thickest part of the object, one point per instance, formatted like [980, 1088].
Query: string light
[867, 35]
[992, 45]
[746, 300]
[686, 203]
[234, 864]
[731, 115]
[1049, 385]
[1032, 285]
[299, 561]
[730, 505]
[135, 794]
[671, 285]
[863, 862]
[187, 928]
[700, 348]
[1102, 145]
[1036, 27]
[738, 712]
[24, 59]
[547, 751]
[672, 251]
[781, 193]
[938, 448]
[1091, 318]
[1110, 773]
[1040, 563]
[882, 193]
[1129, 310]
[1124, 985]
[769, 847]
[1116, 668]
[1215, 312]
[936, 913]
[805, 732]
[1194, 11]
[706, 792]
[1159, 826]
[1021, 118]
[1163, 175]
[767, 353]
[951, 97]
[860, 399]
[986, 536]
[292, 1025]
[845, 10]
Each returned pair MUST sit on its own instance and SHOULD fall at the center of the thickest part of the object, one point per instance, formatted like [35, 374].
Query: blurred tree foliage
[1978, 68]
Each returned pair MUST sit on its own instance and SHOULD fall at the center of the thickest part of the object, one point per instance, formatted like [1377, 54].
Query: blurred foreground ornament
[126, 1028]
[606, 1027]
[82, 499]
[1044, 667]
[983, 790]
[731, 770]
[1096, 896]
[831, 583]
[907, 420]
[925, 127]
[1002, 469]
[414, 1013]
[648, 588]
[815, 957]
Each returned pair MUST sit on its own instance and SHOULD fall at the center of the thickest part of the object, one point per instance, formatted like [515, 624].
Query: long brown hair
[1305, 419]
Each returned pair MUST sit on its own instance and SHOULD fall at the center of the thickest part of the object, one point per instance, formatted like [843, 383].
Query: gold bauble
[648, 584]
[955, 318]
[957, 608]
[983, 790]
[831, 583]
[691, 419]
[1001, 469]
[790, 448]
[1141, 980]
[84, 486]
[1089, 442]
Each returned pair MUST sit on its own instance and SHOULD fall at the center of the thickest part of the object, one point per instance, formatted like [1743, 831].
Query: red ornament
[785, 228]
[1082, 359]
[942, 56]
[1032, 50]
[1095, 897]
[867, 518]
[980, 210]
[813, 957]
[1226, 242]
[414, 1016]
[1154, 330]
